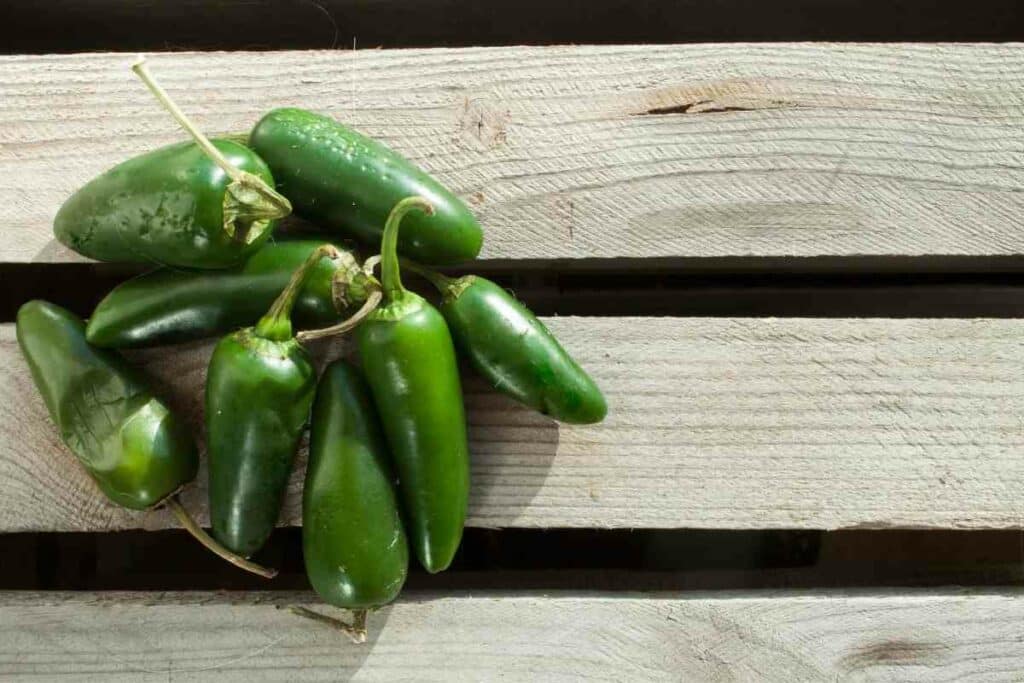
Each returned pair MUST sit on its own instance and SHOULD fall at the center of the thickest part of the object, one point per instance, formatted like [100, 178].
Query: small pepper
[202, 205]
[167, 305]
[353, 541]
[410, 365]
[506, 343]
[349, 183]
[259, 388]
[134, 448]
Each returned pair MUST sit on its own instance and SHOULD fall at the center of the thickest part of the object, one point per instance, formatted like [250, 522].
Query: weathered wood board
[920, 636]
[590, 152]
[714, 423]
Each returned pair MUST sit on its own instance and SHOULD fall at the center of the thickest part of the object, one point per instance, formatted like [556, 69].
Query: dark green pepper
[258, 394]
[348, 182]
[167, 306]
[409, 361]
[133, 447]
[259, 389]
[514, 351]
[203, 205]
[167, 207]
[353, 541]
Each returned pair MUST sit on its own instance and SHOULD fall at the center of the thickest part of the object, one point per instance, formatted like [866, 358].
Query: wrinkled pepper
[410, 365]
[135, 449]
[349, 183]
[353, 540]
[202, 205]
[506, 343]
[167, 305]
[132, 445]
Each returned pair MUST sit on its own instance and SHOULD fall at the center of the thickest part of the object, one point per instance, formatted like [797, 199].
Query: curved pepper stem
[276, 325]
[389, 271]
[356, 630]
[210, 544]
[248, 198]
[368, 307]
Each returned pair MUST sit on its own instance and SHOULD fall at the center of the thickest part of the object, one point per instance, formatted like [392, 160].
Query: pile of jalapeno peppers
[388, 470]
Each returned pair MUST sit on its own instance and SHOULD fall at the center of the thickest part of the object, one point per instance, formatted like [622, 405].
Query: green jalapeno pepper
[203, 205]
[130, 443]
[514, 351]
[409, 361]
[349, 182]
[133, 447]
[168, 306]
[353, 541]
[259, 389]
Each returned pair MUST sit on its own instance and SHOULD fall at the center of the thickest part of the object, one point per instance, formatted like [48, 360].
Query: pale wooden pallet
[922, 636]
[581, 153]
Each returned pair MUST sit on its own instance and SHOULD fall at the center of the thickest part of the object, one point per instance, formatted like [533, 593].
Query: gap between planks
[734, 150]
[751, 423]
[917, 635]
[74, 26]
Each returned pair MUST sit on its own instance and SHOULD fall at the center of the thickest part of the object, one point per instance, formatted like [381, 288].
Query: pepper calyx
[249, 207]
[351, 283]
[454, 288]
[399, 308]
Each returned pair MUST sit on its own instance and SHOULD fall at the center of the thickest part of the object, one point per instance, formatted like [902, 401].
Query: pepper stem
[356, 630]
[371, 303]
[441, 282]
[248, 200]
[276, 325]
[389, 271]
[216, 548]
[371, 263]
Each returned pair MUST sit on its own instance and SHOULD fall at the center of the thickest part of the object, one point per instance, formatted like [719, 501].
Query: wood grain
[920, 636]
[574, 152]
[714, 423]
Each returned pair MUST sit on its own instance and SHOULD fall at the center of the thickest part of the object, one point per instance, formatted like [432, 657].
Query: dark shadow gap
[793, 288]
[567, 559]
[157, 25]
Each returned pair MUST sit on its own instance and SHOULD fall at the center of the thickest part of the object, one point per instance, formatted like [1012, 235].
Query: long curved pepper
[409, 363]
[348, 183]
[171, 305]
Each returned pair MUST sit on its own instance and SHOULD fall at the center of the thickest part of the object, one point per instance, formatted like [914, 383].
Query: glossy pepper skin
[134, 448]
[348, 182]
[353, 541]
[259, 390]
[171, 206]
[168, 306]
[410, 365]
[515, 352]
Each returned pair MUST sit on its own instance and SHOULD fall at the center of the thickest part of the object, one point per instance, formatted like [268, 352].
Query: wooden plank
[714, 423]
[571, 152]
[922, 636]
